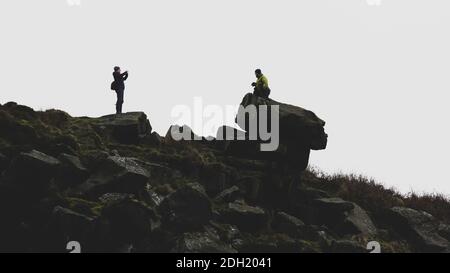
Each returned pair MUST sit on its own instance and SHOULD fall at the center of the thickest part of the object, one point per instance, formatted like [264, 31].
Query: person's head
[117, 69]
[258, 73]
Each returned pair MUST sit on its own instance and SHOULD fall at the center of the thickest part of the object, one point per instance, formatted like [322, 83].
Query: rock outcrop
[300, 131]
[113, 185]
[297, 125]
[127, 128]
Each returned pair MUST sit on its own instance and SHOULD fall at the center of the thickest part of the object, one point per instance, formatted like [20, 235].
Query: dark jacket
[119, 79]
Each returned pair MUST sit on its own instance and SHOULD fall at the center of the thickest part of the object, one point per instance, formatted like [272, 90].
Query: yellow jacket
[262, 82]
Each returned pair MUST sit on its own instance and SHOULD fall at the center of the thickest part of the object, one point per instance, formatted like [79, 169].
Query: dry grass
[374, 196]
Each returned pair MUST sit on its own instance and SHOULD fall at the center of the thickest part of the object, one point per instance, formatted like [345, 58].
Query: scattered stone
[128, 220]
[72, 171]
[152, 198]
[228, 195]
[115, 197]
[75, 225]
[288, 224]
[246, 217]
[117, 174]
[226, 232]
[186, 209]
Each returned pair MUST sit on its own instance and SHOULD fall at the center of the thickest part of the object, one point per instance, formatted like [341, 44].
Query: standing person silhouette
[119, 86]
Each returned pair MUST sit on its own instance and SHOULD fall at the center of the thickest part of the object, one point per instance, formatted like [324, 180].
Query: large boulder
[124, 224]
[300, 131]
[67, 225]
[117, 174]
[296, 124]
[186, 209]
[359, 222]
[127, 128]
[33, 171]
[343, 217]
[419, 227]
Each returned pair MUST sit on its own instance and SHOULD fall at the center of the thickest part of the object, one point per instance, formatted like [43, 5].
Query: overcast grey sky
[378, 75]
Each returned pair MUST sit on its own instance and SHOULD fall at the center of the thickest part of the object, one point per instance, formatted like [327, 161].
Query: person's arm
[125, 75]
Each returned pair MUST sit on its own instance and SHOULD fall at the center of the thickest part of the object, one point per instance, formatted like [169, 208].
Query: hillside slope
[113, 185]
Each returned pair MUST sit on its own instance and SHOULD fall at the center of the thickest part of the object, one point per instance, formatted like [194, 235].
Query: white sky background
[378, 75]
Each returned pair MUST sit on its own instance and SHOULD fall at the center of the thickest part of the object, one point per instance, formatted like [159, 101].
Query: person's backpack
[114, 86]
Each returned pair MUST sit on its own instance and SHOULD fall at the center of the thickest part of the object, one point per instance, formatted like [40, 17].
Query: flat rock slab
[117, 174]
[246, 217]
[419, 227]
[127, 128]
[333, 204]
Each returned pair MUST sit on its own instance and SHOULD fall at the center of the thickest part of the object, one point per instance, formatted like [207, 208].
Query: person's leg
[266, 93]
[257, 92]
[119, 101]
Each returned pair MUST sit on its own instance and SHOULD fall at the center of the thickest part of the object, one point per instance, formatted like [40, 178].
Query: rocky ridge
[114, 185]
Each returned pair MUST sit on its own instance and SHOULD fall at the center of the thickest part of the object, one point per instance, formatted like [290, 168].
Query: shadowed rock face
[113, 185]
[419, 227]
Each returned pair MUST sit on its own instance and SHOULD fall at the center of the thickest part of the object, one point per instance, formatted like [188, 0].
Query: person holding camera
[261, 86]
[118, 85]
